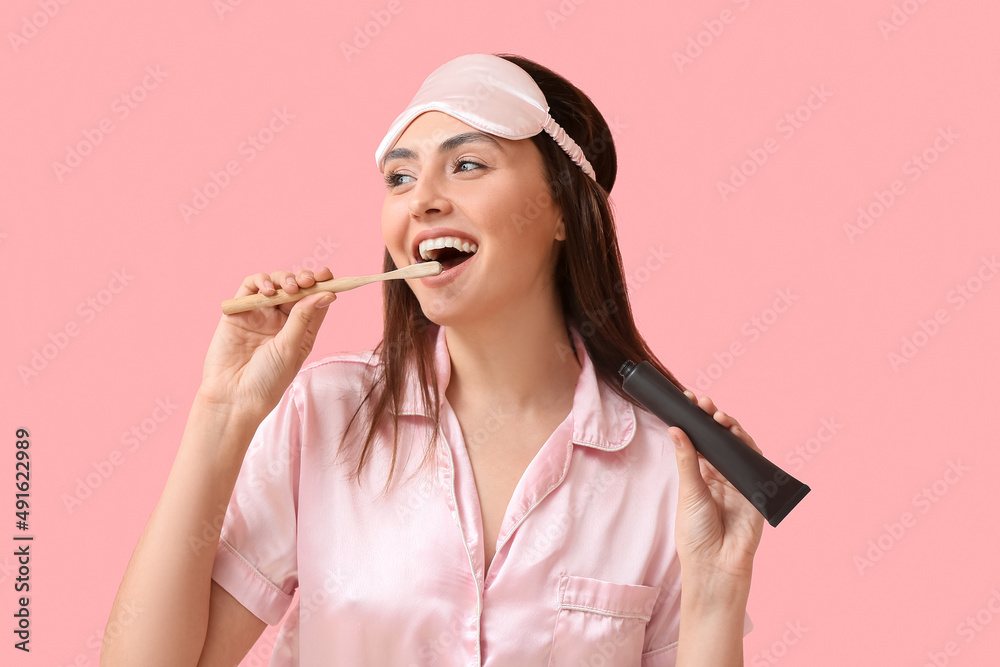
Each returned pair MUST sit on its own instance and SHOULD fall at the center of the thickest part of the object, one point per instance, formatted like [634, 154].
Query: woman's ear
[560, 230]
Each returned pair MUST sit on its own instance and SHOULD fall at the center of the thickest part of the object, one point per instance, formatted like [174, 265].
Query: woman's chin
[449, 309]
[446, 305]
[444, 315]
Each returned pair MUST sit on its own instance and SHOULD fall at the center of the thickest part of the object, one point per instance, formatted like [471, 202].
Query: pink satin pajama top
[585, 572]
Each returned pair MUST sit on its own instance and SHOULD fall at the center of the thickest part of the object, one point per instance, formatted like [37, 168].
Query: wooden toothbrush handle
[254, 301]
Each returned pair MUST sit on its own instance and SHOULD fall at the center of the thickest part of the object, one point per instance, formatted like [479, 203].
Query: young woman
[479, 490]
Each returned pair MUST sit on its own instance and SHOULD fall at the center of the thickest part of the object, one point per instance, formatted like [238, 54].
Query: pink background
[814, 381]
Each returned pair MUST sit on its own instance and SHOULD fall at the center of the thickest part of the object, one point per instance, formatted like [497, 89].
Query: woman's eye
[392, 179]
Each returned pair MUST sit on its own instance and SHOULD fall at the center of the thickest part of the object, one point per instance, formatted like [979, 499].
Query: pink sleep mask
[490, 94]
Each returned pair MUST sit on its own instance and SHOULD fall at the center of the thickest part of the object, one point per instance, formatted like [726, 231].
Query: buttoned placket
[544, 474]
[447, 476]
[546, 471]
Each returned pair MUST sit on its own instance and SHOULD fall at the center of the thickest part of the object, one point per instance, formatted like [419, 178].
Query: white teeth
[429, 248]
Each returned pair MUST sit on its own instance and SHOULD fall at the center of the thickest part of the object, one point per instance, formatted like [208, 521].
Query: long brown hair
[589, 274]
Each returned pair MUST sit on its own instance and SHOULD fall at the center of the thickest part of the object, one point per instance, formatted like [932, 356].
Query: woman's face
[447, 179]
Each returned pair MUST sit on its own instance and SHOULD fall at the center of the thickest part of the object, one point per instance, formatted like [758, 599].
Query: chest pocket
[600, 623]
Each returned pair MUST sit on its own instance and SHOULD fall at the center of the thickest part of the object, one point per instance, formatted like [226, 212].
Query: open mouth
[451, 257]
[450, 251]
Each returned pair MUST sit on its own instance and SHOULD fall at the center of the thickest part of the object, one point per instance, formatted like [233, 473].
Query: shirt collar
[601, 418]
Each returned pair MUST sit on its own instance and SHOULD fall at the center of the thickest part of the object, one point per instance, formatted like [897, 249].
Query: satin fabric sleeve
[256, 558]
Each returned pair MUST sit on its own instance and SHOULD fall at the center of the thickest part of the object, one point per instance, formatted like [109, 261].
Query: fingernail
[268, 285]
[325, 301]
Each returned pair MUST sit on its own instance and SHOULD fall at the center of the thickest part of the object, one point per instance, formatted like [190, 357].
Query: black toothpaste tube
[768, 488]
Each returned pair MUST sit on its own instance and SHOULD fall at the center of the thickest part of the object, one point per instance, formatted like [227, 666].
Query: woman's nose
[428, 196]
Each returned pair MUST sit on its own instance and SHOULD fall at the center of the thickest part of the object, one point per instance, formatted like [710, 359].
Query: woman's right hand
[254, 355]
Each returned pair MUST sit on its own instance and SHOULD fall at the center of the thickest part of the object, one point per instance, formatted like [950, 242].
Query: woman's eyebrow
[467, 138]
[447, 145]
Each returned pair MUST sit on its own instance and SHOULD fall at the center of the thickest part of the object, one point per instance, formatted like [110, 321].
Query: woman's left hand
[717, 530]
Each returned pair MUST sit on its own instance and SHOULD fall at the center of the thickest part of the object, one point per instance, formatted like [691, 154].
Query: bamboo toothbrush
[254, 301]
